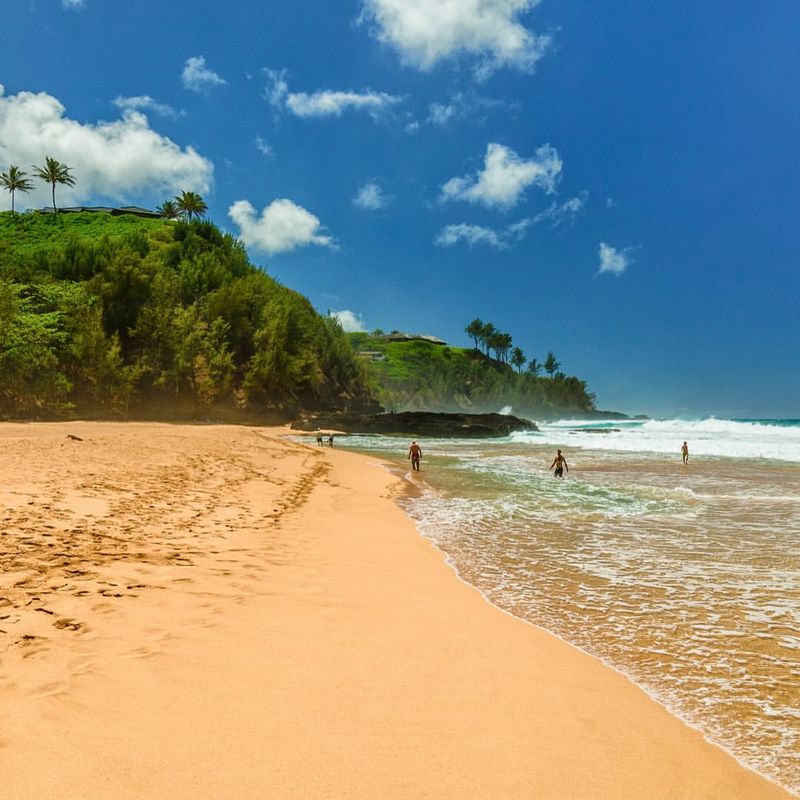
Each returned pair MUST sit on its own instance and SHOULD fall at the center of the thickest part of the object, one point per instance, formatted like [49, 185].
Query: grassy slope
[25, 235]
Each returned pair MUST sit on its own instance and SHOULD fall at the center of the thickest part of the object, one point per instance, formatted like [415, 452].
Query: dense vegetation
[419, 375]
[107, 313]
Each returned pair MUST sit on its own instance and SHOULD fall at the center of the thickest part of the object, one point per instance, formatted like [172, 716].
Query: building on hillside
[137, 211]
[399, 336]
[372, 355]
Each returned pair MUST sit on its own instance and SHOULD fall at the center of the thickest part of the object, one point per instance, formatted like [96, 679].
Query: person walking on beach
[559, 462]
[319, 438]
[685, 453]
[415, 454]
[330, 440]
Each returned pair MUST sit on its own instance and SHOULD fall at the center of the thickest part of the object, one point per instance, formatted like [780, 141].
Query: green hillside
[112, 314]
[419, 375]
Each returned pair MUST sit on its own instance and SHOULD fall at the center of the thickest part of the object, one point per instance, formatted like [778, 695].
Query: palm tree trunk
[55, 210]
[12, 202]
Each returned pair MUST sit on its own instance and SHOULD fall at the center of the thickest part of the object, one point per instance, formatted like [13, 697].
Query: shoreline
[293, 634]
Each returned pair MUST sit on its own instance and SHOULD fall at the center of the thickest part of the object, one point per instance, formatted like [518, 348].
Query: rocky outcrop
[418, 423]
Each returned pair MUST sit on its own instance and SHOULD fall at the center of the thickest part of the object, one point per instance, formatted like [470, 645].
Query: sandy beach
[218, 612]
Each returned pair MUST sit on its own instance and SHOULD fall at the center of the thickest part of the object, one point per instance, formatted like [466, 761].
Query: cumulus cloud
[370, 197]
[145, 103]
[119, 160]
[197, 76]
[477, 234]
[563, 213]
[425, 33]
[612, 260]
[505, 177]
[349, 320]
[282, 226]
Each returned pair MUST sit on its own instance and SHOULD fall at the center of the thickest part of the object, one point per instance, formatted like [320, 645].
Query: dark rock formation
[418, 423]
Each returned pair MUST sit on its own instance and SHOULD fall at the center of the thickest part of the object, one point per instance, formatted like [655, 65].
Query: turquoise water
[687, 579]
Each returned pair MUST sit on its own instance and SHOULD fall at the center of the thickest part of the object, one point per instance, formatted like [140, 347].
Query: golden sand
[217, 612]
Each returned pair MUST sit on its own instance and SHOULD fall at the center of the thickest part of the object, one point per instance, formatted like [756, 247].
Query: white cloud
[327, 103]
[197, 76]
[282, 226]
[505, 177]
[477, 234]
[425, 33]
[330, 103]
[73, 5]
[613, 260]
[145, 103]
[370, 197]
[459, 106]
[264, 147]
[119, 160]
[349, 320]
[276, 87]
[563, 213]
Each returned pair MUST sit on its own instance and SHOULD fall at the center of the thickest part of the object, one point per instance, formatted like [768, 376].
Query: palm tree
[534, 367]
[550, 363]
[15, 180]
[474, 330]
[518, 358]
[54, 172]
[169, 210]
[488, 331]
[191, 204]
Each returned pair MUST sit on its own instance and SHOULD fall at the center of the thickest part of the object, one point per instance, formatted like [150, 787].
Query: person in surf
[685, 453]
[559, 463]
[415, 454]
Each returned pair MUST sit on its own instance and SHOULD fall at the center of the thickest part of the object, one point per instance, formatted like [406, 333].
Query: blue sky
[617, 182]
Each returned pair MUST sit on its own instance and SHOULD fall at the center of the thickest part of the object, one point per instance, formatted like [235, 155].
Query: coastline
[292, 635]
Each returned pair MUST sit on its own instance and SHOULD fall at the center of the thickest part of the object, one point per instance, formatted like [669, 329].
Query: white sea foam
[707, 437]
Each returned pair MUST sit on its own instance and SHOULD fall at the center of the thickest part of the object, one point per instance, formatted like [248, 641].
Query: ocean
[684, 578]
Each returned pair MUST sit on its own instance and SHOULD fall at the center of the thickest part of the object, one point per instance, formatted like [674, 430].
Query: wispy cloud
[332, 104]
[349, 320]
[505, 177]
[461, 105]
[563, 213]
[426, 33]
[478, 235]
[121, 159]
[146, 103]
[197, 77]
[324, 103]
[371, 197]
[614, 261]
[264, 147]
[73, 5]
[281, 226]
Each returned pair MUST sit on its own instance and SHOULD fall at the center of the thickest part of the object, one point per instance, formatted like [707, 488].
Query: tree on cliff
[518, 358]
[15, 180]
[551, 365]
[54, 172]
[487, 332]
[190, 204]
[475, 331]
[534, 367]
[169, 210]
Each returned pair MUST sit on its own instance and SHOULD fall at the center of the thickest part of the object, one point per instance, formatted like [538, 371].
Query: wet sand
[215, 611]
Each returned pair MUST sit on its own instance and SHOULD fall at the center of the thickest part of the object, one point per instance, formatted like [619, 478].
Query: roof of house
[115, 212]
[412, 337]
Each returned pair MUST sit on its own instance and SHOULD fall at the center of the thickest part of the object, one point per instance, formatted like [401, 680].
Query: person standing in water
[559, 462]
[415, 454]
[685, 453]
